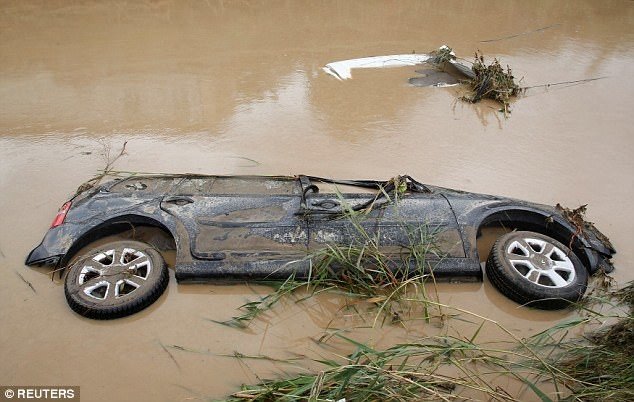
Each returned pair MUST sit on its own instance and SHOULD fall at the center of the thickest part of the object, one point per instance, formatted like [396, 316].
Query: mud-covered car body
[263, 227]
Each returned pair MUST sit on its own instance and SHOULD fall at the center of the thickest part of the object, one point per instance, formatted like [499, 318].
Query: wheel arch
[535, 220]
[116, 225]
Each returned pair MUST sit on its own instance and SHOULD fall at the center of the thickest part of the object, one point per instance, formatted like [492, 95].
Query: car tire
[116, 280]
[536, 270]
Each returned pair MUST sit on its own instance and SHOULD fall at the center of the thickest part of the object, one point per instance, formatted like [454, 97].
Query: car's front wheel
[536, 270]
[116, 280]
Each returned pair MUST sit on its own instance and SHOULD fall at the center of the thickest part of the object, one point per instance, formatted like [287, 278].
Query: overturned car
[271, 227]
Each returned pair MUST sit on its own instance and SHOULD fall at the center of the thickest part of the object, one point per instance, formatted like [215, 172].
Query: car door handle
[178, 200]
[325, 204]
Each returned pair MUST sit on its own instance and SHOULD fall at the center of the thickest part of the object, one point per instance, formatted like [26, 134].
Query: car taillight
[61, 214]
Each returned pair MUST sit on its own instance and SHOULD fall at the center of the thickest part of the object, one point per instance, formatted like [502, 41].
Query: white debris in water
[342, 69]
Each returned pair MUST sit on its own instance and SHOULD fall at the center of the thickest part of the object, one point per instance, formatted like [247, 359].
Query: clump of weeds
[492, 81]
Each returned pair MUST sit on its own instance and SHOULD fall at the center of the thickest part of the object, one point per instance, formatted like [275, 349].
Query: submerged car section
[268, 228]
[272, 227]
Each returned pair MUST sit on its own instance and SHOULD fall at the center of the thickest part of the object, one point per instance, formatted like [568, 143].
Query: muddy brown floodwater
[237, 88]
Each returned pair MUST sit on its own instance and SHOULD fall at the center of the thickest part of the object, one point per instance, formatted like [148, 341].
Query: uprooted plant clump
[485, 81]
[492, 82]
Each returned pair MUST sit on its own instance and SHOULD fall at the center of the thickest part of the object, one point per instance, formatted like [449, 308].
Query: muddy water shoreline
[209, 87]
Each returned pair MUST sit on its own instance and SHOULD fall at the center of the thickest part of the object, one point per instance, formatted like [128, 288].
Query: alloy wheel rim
[114, 274]
[540, 262]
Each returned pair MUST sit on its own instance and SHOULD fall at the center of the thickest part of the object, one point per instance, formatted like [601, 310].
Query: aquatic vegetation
[552, 365]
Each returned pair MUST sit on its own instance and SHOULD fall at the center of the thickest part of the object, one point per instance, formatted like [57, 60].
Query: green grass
[595, 367]
[401, 373]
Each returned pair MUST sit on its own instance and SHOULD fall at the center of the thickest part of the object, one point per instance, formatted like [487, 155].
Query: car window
[330, 188]
[255, 186]
[208, 185]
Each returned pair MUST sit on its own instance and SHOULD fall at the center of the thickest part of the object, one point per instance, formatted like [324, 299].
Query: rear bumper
[54, 246]
[41, 256]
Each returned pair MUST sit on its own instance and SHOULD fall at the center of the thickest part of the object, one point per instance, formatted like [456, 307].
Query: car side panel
[241, 227]
[414, 219]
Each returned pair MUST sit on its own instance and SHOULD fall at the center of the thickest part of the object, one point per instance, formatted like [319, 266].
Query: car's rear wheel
[116, 280]
[536, 270]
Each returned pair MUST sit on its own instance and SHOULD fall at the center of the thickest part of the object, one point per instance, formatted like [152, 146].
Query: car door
[416, 219]
[240, 218]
